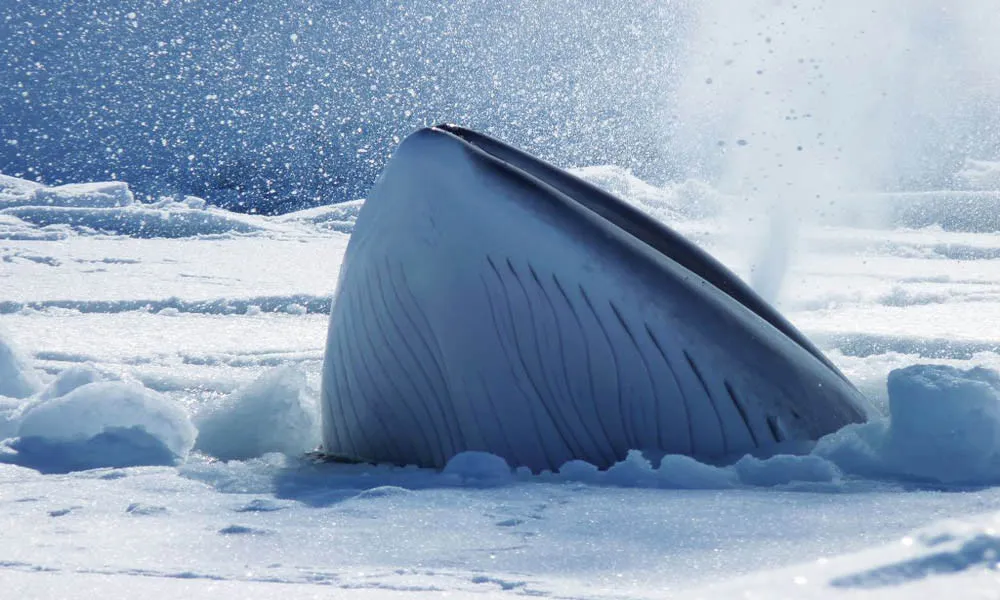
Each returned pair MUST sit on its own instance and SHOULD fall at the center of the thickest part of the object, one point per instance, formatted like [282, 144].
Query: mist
[793, 106]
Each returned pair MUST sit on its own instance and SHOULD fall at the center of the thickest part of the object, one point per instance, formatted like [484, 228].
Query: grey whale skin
[489, 301]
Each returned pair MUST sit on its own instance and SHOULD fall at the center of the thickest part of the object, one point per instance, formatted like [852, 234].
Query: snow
[159, 358]
[186, 358]
[165, 222]
[110, 208]
[980, 174]
[17, 378]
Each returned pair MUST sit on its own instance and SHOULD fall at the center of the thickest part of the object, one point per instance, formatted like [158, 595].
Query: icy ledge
[29, 210]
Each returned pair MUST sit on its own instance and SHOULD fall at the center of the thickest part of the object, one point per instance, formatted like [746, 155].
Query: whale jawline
[490, 301]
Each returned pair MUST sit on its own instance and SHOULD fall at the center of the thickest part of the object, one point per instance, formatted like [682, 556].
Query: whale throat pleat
[481, 306]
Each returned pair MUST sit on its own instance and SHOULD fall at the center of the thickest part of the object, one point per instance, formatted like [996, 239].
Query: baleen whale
[490, 301]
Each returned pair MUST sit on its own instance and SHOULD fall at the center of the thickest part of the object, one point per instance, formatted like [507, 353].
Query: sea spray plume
[796, 104]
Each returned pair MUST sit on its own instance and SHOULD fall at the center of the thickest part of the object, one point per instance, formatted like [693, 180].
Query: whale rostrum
[490, 301]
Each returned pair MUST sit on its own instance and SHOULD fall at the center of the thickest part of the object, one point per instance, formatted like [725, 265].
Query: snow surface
[158, 397]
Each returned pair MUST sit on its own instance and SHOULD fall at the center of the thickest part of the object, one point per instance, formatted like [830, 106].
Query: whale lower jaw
[479, 308]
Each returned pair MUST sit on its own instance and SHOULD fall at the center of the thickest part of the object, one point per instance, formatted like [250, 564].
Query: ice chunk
[176, 221]
[17, 378]
[944, 426]
[784, 469]
[16, 192]
[10, 410]
[480, 468]
[334, 217]
[689, 199]
[276, 413]
[674, 472]
[70, 379]
[108, 194]
[945, 423]
[19, 192]
[634, 471]
[102, 424]
[683, 472]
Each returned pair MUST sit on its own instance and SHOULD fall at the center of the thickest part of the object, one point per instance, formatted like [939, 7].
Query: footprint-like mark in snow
[145, 510]
[504, 584]
[384, 491]
[509, 523]
[243, 530]
[260, 505]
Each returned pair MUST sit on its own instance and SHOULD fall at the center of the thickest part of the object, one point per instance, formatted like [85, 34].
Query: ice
[137, 221]
[670, 204]
[110, 208]
[334, 217]
[650, 526]
[17, 378]
[101, 424]
[276, 413]
[944, 427]
[479, 468]
[980, 174]
[111, 194]
[873, 132]
[68, 380]
[16, 192]
[785, 469]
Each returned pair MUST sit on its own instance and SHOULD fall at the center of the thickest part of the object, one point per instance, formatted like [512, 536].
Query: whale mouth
[489, 301]
[640, 226]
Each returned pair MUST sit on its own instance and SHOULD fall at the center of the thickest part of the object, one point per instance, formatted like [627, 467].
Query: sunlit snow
[128, 351]
[160, 355]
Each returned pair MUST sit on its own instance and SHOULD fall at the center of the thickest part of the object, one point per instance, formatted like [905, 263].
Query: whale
[490, 301]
